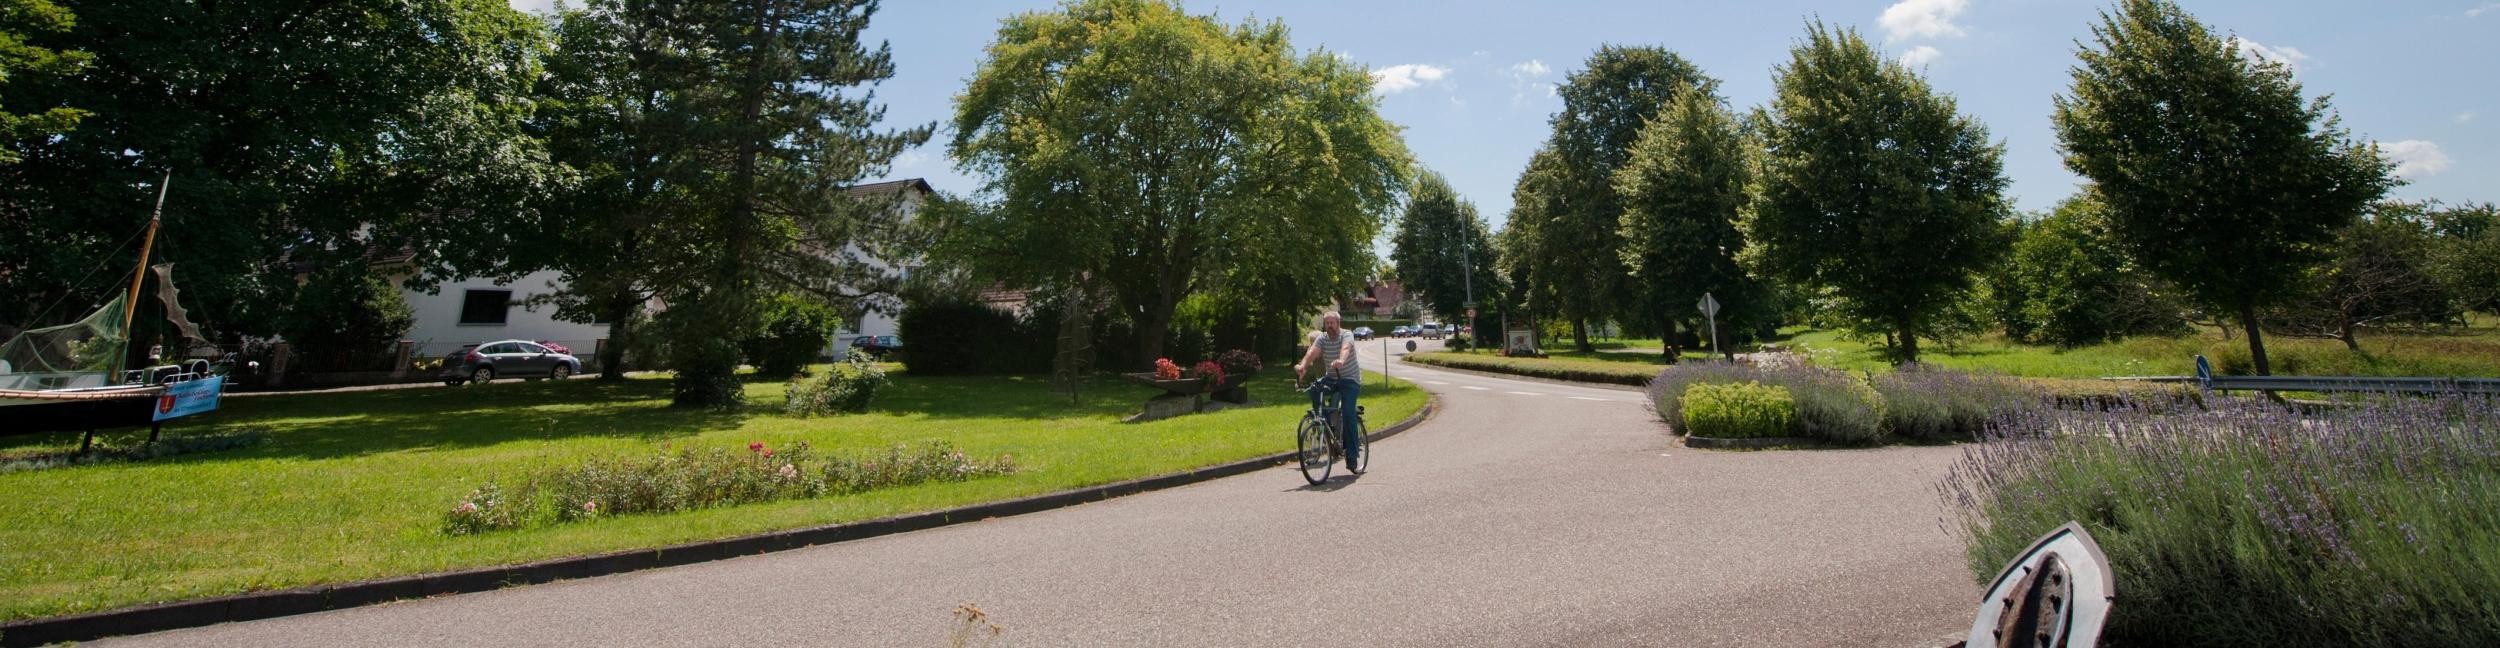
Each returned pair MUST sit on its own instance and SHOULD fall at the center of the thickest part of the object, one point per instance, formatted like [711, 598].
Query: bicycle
[1319, 441]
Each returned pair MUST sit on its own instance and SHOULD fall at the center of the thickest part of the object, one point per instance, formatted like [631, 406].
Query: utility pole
[1466, 271]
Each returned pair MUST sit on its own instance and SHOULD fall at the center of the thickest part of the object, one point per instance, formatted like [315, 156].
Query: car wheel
[482, 375]
[562, 371]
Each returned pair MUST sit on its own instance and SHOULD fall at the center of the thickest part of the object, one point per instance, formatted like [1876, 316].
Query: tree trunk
[1667, 340]
[2256, 340]
[1154, 321]
[1909, 341]
[1580, 335]
[620, 312]
[2344, 331]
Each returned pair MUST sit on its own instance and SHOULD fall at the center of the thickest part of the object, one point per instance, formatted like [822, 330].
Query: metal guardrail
[2206, 379]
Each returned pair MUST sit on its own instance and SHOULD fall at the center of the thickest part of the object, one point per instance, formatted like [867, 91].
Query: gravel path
[1524, 513]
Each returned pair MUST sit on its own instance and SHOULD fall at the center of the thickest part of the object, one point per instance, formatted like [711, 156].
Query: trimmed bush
[844, 388]
[1738, 410]
[1830, 405]
[1598, 371]
[795, 332]
[2255, 524]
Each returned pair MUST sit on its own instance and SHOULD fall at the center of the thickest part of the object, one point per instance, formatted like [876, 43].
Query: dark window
[485, 307]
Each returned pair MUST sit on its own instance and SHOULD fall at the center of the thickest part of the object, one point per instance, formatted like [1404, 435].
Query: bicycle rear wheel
[1311, 441]
[1362, 460]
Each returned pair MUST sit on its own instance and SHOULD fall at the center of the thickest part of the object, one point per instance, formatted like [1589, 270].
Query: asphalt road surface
[1523, 514]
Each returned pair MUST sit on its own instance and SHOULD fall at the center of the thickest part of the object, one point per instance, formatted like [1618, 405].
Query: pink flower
[466, 507]
[768, 453]
[590, 507]
[789, 471]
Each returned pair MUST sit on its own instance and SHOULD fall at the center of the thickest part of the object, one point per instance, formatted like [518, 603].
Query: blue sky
[1470, 80]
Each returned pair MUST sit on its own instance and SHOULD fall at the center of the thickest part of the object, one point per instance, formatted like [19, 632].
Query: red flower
[755, 446]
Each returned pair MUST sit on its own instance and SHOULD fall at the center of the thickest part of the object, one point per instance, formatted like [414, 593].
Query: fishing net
[56, 357]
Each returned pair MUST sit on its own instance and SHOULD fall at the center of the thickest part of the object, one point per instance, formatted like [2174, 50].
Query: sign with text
[189, 397]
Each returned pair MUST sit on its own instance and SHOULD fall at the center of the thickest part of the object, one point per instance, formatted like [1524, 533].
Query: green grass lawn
[2470, 351]
[353, 486]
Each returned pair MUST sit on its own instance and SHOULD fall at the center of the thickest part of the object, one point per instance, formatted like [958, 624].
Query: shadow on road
[1333, 484]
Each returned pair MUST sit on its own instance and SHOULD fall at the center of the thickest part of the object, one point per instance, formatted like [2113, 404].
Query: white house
[478, 309]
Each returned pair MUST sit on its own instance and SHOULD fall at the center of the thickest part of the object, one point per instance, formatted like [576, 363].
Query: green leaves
[1874, 187]
[18, 20]
[1441, 246]
[2219, 177]
[1168, 154]
[1683, 190]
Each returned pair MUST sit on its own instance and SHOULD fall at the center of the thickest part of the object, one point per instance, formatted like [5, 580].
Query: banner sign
[190, 397]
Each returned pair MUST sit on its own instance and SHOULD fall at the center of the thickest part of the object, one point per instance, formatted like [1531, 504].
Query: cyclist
[1344, 376]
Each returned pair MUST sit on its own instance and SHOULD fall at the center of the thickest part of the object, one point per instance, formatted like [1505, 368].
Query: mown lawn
[2468, 351]
[353, 486]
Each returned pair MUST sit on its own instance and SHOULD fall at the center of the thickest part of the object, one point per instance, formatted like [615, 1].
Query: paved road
[1524, 513]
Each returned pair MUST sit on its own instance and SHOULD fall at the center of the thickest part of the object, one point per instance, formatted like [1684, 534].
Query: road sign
[1709, 306]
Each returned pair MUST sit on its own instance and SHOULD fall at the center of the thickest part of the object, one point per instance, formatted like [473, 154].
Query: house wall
[438, 330]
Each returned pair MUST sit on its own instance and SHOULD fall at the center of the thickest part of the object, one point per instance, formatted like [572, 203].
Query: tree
[1163, 153]
[1683, 190]
[2067, 283]
[2379, 271]
[1535, 201]
[1873, 187]
[18, 19]
[2466, 256]
[1442, 250]
[1604, 107]
[298, 134]
[2218, 176]
[719, 142]
[346, 317]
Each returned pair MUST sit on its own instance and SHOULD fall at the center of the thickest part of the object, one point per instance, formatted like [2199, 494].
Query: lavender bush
[2253, 524]
[1930, 405]
[1830, 405]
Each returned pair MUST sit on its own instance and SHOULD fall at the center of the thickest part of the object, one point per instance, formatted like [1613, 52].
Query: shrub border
[1622, 385]
[277, 603]
[1749, 443]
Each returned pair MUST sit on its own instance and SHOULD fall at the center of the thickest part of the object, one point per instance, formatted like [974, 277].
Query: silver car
[481, 363]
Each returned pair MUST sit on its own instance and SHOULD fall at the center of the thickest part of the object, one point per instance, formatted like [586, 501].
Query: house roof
[891, 186]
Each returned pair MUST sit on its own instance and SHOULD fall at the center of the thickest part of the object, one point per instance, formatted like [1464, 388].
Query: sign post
[1710, 309]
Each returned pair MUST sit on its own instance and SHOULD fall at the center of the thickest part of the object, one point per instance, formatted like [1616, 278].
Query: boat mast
[130, 301]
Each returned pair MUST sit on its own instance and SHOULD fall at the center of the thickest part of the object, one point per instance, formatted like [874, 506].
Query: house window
[486, 307]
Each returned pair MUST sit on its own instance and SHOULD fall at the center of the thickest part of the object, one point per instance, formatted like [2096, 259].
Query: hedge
[1596, 371]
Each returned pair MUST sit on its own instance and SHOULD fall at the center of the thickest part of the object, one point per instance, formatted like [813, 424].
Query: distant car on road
[482, 363]
[1430, 332]
[1401, 331]
[877, 346]
[1362, 332]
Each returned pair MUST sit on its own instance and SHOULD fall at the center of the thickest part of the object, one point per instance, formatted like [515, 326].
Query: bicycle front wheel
[1362, 460]
[1311, 440]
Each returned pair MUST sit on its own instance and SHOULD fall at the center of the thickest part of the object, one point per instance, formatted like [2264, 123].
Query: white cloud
[1920, 55]
[1532, 69]
[2255, 51]
[537, 6]
[2478, 12]
[1400, 78]
[2464, 117]
[1922, 18]
[2416, 158]
[1525, 76]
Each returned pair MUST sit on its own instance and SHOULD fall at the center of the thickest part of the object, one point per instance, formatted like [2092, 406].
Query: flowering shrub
[1238, 362]
[1830, 405]
[1165, 370]
[2256, 524]
[1209, 371]
[845, 389]
[1948, 406]
[686, 480]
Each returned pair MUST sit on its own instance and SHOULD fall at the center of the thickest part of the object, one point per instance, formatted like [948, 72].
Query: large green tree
[1604, 107]
[2219, 176]
[1873, 187]
[1162, 153]
[298, 134]
[20, 19]
[1443, 250]
[1683, 192]
[2068, 283]
[2466, 256]
[718, 142]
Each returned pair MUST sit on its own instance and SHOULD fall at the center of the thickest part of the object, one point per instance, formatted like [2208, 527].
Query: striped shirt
[1330, 346]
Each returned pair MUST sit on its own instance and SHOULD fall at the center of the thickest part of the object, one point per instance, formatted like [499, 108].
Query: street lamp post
[1468, 277]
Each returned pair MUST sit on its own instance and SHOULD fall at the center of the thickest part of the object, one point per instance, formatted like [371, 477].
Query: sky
[1470, 81]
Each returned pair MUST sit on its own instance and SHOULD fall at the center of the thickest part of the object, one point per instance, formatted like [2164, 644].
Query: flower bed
[2254, 524]
[686, 480]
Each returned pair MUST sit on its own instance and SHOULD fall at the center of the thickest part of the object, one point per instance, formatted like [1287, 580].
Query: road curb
[1718, 443]
[277, 603]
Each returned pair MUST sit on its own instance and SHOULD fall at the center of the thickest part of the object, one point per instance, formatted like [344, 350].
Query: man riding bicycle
[1344, 377]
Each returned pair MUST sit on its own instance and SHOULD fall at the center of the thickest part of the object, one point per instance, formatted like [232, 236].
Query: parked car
[1401, 331]
[1430, 332]
[482, 363]
[1362, 332]
[877, 346]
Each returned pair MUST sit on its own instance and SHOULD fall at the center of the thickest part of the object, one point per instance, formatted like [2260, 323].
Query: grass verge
[353, 486]
[1628, 371]
[2469, 351]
